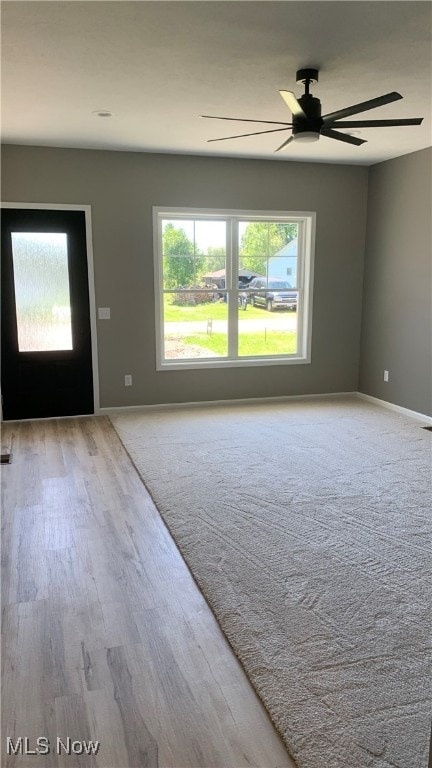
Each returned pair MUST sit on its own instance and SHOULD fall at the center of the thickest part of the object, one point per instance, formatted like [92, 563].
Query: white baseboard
[208, 403]
[398, 408]
[427, 420]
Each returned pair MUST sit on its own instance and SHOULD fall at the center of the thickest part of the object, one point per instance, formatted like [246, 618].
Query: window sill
[247, 362]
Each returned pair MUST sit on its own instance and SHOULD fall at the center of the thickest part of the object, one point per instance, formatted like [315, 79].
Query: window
[233, 288]
[41, 278]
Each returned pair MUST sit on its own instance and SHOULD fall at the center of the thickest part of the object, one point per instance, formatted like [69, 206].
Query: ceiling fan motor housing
[311, 106]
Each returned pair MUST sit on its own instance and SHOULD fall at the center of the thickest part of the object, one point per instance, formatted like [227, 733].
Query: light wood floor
[105, 634]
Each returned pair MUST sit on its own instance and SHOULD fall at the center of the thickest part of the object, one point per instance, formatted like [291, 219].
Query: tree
[182, 267]
[262, 239]
[215, 258]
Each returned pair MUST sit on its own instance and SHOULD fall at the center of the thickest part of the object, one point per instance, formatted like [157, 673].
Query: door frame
[86, 209]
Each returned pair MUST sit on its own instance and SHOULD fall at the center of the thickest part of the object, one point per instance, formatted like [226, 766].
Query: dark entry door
[46, 337]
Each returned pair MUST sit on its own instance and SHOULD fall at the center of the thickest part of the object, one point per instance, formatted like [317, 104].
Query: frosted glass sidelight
[41, 276]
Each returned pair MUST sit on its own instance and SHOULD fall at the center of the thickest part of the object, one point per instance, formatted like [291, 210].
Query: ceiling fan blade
[242, 135]
[363, 107]
[291, 101]
[245, 120]
[342, 136]
[288, 141]
[377, 123]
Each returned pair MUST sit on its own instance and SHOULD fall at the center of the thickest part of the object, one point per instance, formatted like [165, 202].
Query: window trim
[305, 280]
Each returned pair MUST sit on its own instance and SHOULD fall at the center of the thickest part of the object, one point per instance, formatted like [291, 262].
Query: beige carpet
[305, 526]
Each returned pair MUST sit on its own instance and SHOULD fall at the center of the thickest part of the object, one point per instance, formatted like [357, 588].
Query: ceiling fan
[308, 124]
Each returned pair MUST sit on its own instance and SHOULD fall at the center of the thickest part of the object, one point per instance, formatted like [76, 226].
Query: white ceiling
[158, 65]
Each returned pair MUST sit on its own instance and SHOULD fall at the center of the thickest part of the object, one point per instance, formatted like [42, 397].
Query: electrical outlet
[104, 313]
[386, 375]
[128, 380]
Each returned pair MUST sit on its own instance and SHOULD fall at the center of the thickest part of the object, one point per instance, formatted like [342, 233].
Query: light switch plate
[104, 313]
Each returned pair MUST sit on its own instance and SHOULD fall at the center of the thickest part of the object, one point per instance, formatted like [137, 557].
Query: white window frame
[305, 277]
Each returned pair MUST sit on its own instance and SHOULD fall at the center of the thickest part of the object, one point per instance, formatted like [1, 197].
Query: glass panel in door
[42, 295]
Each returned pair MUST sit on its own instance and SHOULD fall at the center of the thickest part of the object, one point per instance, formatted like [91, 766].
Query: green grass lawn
[214, 310]
[276, 343]
[253, 343]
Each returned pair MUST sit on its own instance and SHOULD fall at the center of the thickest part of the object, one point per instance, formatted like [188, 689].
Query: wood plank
[72, 726]
[105, 633]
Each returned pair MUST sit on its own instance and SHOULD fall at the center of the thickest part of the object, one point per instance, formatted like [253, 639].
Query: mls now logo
[22, 746]
[42, 746]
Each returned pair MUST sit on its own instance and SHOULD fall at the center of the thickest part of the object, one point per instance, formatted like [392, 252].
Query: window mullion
[232, 284]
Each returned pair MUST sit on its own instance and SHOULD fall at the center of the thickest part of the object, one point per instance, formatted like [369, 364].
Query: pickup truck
[272, 294]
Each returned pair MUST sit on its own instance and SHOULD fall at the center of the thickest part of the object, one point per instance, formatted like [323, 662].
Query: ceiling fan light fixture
[307, 137]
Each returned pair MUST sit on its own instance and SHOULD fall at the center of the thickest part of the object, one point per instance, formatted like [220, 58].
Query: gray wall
[397, 319]
[122, 187]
